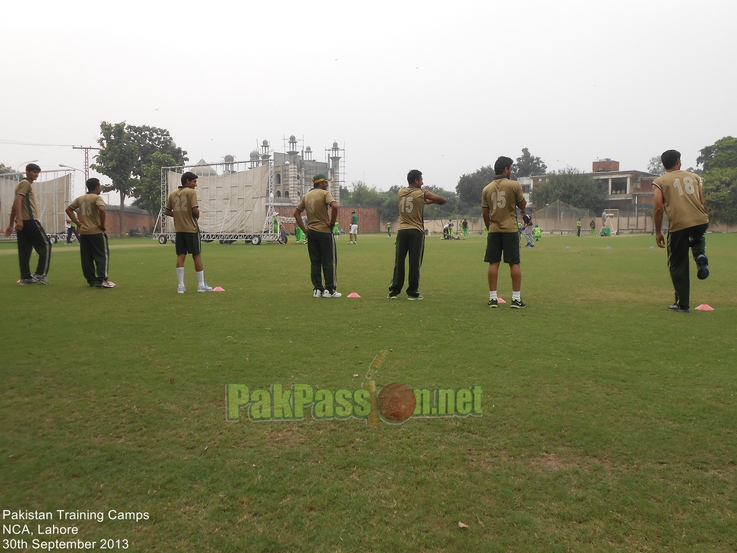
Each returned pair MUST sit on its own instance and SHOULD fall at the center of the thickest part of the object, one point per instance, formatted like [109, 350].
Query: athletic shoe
[518, 304]
[676, 307]
[415, 298]
[317, 293]
[327, 294]
[106, 284]
[204, 287]
[41, 279]
[392, 297]
[493, 303]
[27, 281]
[703, 263]
[181, 289]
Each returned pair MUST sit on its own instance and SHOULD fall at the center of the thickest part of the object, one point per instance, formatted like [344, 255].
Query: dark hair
[33, 167]
[92, 184]
[501, 164]
[413, 175]
[670, 158]
[188, 176]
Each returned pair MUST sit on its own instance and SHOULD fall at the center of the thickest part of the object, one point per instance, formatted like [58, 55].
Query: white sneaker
[327, 294]
[181, 289]
[106, 284]
[204, 288]
[317, 293]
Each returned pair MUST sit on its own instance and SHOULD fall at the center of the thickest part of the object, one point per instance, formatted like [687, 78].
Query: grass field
[608, 422]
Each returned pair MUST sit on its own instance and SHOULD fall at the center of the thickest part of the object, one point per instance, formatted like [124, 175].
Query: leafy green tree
[722, 154]
[389, 207]
[470, 186]
[655, 166]
[446, 211]
[527, 165]
[151, 140]
[117, 159]
[720, 179]
[148, 189]
[5, 169]
[573, 187]
[361, 196]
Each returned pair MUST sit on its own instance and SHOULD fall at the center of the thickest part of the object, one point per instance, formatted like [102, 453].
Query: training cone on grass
[500, 300]
[704, 307]
[218, 289]
[353, 295]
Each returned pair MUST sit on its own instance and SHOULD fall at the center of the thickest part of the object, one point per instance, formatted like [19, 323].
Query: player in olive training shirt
[411, 235]
[499, 202]
[322, 211]
[183, 207]
[88, 213]
[31, 235]
[679, 192]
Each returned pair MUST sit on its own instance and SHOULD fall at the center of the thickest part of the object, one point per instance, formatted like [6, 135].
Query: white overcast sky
[444, 87]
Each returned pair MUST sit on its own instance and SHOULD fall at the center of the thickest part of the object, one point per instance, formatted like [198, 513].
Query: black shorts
[188, 242]
[502, 242]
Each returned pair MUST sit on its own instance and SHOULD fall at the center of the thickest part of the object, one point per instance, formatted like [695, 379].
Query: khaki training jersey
[501, 197]
[411, 208]
[682, 200]
[317, 202]
[28, 205]
[181, 202]
[88, 213]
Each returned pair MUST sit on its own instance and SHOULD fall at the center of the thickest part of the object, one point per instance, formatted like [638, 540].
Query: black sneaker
[703, 264]
[493, 303]
[676, 307]
[26, 281]
[415, 298]
[41, 279]
[392, 296]
[518, 304]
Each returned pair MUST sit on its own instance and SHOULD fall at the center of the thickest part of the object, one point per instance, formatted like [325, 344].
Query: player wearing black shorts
[183, 207]
[499, 202]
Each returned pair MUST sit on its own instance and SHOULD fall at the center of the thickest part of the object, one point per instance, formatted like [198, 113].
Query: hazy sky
[442, 87]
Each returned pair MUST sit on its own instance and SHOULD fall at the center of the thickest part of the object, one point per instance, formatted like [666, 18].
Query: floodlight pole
[86, 159]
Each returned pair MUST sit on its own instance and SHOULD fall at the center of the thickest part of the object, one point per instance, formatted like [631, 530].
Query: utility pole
[86, 159]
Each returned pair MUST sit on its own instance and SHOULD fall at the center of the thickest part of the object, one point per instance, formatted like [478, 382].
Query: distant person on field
[411, 235]
[72, 229]
[322, 211]
[464, 225]
[93, 246]
[31, 235]
[353, 233]
[679, 193]
[578, 227]
[499, 202]
[537, 233]
[389, 229]
[527, 228]
[182, 205]
[592, 226]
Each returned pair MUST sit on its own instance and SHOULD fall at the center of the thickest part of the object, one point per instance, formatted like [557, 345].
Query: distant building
[623, 187]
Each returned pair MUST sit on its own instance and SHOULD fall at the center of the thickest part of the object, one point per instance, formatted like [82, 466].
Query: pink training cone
[704, 307]
[218, 289]
[500, 300]
[353, 295]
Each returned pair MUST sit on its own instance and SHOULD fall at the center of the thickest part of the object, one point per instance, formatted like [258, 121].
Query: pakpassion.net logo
[393, 403]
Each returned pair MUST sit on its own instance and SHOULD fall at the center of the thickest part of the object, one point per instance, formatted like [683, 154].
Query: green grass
[608, 425]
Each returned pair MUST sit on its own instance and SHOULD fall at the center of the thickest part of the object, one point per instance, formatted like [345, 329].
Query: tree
[127, 157]
[361, 196]
[720, 178]
[470, 186]
[4, 169]
[527, 165]
[655, 166]
[573, 187]
[117, 159]
[148, 190]
[722, 154]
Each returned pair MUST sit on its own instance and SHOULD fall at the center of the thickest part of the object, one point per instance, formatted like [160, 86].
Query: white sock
[492, 295]
[180, 275]
[201, 277]
[516, 295]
